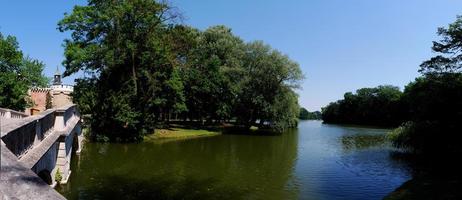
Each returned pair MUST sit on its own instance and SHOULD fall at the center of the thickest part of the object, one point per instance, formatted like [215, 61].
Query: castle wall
[38, 98]
[60, 96]
[60, 99]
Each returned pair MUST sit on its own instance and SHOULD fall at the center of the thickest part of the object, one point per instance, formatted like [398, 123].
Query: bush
[58, 176]
[404, 136]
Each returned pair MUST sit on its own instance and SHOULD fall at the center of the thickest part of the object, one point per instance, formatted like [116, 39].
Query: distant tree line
[429, 109]
[143, 69]
[307, 115]
[18, 73]
[379, 106]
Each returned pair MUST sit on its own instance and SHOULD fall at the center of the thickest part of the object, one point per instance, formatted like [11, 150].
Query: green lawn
[179, 133]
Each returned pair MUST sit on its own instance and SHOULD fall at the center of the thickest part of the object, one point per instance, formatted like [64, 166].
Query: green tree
[212, 74]
[307, 115]
[435, 107]
[449, 47]
[435, 100]
[123, 43]
[268, 74]
[85, 94]
[17, 74]
[381, 106]
[144, 68]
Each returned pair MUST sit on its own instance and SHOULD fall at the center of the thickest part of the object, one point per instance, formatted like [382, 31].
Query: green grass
[179, 133]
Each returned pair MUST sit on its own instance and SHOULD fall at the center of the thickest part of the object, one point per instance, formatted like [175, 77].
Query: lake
[314, 161]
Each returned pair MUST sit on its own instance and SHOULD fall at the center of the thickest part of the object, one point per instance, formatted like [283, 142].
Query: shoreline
[176, 133]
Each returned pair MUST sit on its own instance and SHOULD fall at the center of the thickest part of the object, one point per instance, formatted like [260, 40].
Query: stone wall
[60, 99]
[60, 96]
[38, 98]
[48, 162]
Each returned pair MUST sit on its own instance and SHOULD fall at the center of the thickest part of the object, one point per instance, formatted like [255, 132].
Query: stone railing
[7, 113]
[26, 133]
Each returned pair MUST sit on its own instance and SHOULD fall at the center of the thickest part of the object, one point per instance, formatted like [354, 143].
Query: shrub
[58, 176]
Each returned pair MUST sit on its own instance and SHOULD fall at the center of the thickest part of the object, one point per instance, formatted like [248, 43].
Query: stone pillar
[60, 124]
[62, 162]
[38, 133]
[7, 114]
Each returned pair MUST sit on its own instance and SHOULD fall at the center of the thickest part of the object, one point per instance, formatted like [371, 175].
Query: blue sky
[340, 45]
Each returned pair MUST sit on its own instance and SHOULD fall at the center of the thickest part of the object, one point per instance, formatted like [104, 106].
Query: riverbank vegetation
[18, 73]
[143, 69]
[307, 115]
[429, 109]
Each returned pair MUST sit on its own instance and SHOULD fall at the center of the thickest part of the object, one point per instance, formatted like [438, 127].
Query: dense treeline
[18, 73]
[143, 69]
[429, 109]
[435, 100]
[379, 106]
[307, 115]
[435, 110]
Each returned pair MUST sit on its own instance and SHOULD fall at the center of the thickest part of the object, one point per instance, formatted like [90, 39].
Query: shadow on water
[432, 178]
[126, 187]
[221, 167]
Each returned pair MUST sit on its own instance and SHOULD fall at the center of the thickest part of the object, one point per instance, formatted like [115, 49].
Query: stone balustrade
[40, 144]
[21, 135]
[7, 113]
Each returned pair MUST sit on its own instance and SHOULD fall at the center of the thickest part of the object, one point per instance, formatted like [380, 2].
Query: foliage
[58, 176]
[267, 84]
[381, 106]
[145, 69]
[435, 100]
[17, 74]
[449, 58]
[85, 95]
[307, 115]
[122, 44]
[211, 73]
[48, 101]
[285, 111]
[435, 106]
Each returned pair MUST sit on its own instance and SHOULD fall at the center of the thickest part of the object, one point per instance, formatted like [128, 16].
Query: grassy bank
[180, 133]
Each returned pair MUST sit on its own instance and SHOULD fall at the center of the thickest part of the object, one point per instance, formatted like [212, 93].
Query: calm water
[317, 161]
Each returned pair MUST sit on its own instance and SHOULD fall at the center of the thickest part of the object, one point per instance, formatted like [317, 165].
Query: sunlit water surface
[316, 161]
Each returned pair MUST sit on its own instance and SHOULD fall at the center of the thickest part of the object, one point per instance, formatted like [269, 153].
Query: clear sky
[340, 45]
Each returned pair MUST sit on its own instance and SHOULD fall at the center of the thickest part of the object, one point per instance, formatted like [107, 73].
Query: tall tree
[268, 74]
[211, 77]
[435, 99]
[17, 74]
[449, 49]
[122, 42]
[144, 68]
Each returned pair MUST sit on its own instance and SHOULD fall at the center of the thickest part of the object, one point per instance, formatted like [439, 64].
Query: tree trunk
[135, 88]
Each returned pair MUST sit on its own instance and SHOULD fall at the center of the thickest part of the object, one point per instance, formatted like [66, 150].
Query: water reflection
[315, 161]
[437, 177]
[337, 162]
[224, 167]
[355, 142]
